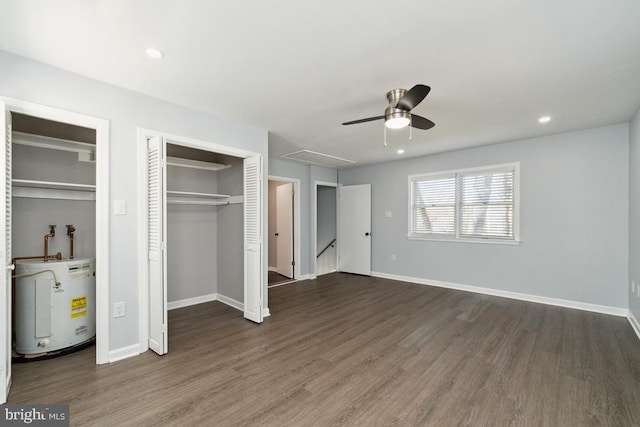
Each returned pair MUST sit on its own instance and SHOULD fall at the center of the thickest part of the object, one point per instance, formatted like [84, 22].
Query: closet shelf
[195, 164]
[50, 185]
[52, 190]
[192, 194]
[193, 198]
[86, 152]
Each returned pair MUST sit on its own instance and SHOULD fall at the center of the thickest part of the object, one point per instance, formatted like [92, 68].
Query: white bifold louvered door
[5, 256]
[253, 239]
[156, 232]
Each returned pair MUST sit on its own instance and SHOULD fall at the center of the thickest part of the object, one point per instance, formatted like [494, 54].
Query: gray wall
[634, 213]
[126, 111]
[191, 237]
[231, 234]
[31, 217]
[574, 216]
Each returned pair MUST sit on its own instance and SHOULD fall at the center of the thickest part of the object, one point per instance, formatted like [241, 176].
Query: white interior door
[284, 229]
[253, 239]
[354, 229]
[156, 232]
[5, 256]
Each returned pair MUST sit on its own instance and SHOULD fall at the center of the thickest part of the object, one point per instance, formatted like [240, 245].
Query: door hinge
[164, 328]
[293, 263]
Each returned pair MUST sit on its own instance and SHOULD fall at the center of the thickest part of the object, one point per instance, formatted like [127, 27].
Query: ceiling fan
[398, 113]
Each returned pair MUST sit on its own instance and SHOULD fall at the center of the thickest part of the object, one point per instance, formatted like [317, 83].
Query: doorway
[326, 254]
[97, 228]
[197, 181]
[283, 231]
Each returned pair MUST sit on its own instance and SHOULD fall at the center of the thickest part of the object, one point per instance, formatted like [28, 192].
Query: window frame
[456, 236]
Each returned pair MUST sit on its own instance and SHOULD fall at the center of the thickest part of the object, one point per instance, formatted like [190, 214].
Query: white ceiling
[300, 69]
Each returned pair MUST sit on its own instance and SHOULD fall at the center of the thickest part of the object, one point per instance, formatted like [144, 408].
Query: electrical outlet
[393, 257]
[388, 214]
[118, 309]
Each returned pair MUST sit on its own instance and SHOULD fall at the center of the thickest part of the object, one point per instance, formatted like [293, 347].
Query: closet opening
[203, 232]
[53, 238]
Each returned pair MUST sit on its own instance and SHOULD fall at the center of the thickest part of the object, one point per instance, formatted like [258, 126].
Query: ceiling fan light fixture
[395, 118]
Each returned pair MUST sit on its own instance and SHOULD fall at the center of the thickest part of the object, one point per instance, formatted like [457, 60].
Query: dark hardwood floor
[353, 350]
[277, 278]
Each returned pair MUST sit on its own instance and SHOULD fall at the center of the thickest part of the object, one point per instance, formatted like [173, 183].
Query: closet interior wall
[205, 234]
[192, 233]
[32, 216]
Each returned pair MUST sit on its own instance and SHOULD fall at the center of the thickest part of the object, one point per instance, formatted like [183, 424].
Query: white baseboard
[266, 312]
[274, 269]
[604, 309]
[124, 353]
[191, 301]
[634, 323]
[231, 302]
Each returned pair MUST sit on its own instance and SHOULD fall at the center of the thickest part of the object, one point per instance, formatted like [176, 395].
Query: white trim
[282, 284]
[231, 302]
[296, 221]
[266, 312]
[187, 302]
[124, 353]
[604, 309]
[433, 238]
[273, 269]
[634, 323]
[314, 223]
[101, 127]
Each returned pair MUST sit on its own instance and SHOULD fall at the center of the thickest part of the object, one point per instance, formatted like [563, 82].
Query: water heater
[55, 304]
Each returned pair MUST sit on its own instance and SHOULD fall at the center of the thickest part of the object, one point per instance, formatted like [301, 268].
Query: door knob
[277, 234]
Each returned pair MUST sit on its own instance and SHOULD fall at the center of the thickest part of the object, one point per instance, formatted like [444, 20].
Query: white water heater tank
[55, 305]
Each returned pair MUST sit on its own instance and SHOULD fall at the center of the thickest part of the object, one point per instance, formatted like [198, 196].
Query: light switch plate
[388, 214]
[119, 207]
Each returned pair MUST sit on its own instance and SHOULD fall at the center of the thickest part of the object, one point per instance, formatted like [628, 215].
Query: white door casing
[354, 229]
[284, 229]
[253, 239]
[5, 255]
[156, 232]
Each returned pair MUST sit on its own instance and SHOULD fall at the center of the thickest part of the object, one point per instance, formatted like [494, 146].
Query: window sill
[461, 240]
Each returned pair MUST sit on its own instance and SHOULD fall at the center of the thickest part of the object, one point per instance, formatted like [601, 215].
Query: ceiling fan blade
[420, 122]
[413, 97]
[368, 119]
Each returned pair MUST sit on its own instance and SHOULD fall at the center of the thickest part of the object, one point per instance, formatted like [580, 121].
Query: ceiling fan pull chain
[410, 128]
[385, 135]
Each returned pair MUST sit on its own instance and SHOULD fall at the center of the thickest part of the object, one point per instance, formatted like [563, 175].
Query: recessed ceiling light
[154, 53]
[544, 119]
[400, 151]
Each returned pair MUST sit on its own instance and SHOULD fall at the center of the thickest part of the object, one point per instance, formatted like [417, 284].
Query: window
[471, 204]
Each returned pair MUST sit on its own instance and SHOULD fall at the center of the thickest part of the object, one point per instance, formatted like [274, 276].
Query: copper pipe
[70, 230]
[52, 233]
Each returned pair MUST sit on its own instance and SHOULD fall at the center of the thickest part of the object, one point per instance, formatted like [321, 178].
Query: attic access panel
[318, 159]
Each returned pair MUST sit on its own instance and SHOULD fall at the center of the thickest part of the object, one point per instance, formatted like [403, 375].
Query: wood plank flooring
[360, 351]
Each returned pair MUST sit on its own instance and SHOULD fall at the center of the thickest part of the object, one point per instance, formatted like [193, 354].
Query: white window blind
[434, 202]
[469, 204]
